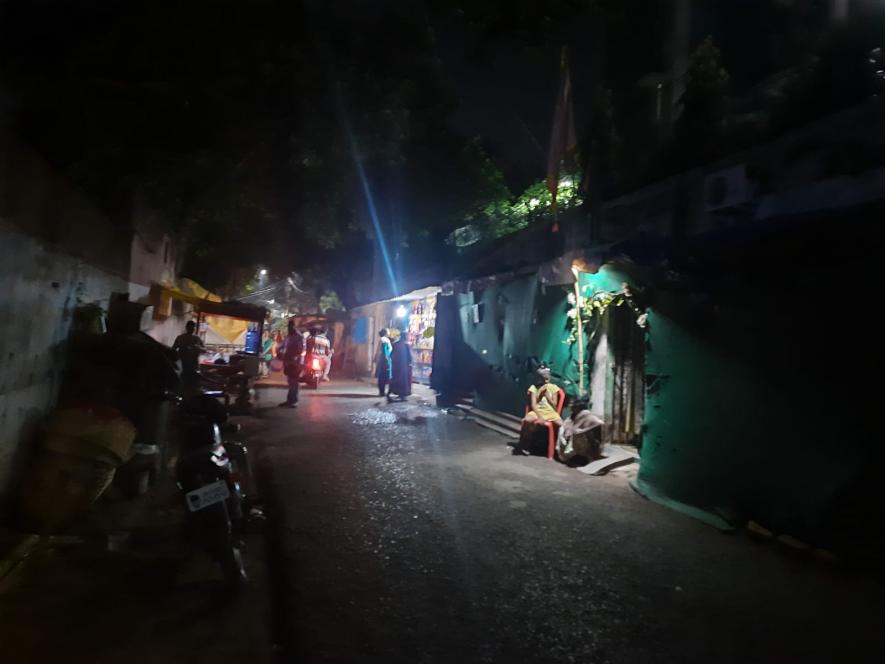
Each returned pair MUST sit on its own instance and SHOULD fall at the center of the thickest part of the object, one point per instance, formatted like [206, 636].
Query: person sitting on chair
[543, 400]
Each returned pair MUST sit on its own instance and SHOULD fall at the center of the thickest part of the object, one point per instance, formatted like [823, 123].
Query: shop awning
[420, 294]
[161, 296]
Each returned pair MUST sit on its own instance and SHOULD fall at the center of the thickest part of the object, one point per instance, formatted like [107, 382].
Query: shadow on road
[341, 395]
[282, 606]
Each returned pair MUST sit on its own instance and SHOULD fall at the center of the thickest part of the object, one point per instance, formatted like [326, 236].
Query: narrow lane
[408, 535]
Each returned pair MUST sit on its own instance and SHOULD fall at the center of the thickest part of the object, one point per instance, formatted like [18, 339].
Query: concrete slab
[615, 458]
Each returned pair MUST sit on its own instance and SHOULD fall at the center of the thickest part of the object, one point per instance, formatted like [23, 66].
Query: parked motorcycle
[210, 483]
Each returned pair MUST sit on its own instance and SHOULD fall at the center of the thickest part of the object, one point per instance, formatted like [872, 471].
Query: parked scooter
[314, 368]
[210, 483]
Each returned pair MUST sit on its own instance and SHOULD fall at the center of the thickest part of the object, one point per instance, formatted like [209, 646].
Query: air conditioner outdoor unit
[727, 189]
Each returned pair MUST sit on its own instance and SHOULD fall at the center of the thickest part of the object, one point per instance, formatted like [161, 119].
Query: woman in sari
[543, 401]
[401, 369]
[267, 352]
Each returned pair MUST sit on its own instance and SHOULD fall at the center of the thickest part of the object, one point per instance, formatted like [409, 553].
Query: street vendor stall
[414, 312]
[236, 366]
[226, 328]
[421, 328]
[231, 328]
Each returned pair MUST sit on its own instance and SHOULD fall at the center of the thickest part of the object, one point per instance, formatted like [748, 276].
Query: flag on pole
[563, 138]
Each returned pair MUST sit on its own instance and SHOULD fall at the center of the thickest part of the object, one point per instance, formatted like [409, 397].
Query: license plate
[205, 496]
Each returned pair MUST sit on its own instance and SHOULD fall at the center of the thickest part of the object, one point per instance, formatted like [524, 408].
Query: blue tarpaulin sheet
[361, 330]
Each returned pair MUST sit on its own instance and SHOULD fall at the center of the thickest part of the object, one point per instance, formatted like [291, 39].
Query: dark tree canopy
[231, 120]
[258, 130]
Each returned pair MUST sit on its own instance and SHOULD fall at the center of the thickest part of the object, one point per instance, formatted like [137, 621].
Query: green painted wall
[761, 407]
[697, 401]
[520, 319]
[523, 319]
[757, 404]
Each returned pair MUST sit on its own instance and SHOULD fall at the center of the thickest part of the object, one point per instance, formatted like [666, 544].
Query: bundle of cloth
[580, 436]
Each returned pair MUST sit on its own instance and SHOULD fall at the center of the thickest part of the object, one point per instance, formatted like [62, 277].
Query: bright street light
[401, 311]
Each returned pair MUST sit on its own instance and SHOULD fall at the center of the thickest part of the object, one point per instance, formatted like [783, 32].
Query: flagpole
[580, 327]
[562, 137]
[554, 208]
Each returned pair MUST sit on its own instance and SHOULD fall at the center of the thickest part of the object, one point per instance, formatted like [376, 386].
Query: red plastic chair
[551, 427]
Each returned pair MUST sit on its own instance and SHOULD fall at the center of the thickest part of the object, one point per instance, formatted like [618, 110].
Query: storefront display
[421, 326]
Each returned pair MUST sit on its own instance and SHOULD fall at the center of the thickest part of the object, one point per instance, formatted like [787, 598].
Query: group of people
[315, 341]
[394, 367]
[577, 436]
[292, 351]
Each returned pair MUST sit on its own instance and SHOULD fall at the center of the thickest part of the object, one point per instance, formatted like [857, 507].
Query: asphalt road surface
[401, 533]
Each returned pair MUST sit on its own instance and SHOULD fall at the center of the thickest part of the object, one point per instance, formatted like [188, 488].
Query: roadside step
[503, 423]
[509, 433]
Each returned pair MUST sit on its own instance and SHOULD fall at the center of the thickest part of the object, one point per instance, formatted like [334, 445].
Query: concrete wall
[360, 360]
[164, 330]
[152, 260]
[39, 290]
[36, 201]
[59, 251]
[521, 322]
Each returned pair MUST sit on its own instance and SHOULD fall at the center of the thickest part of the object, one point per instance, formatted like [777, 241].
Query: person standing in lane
[382, 362]
[189, 347]
[401, 373]
[291, 352]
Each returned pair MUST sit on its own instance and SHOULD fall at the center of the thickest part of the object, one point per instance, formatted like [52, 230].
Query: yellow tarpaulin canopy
[193, 289]
[227, 322]
[230, 329]
[190, 292]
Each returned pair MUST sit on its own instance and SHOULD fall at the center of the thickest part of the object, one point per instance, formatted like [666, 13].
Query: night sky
[171, 100]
